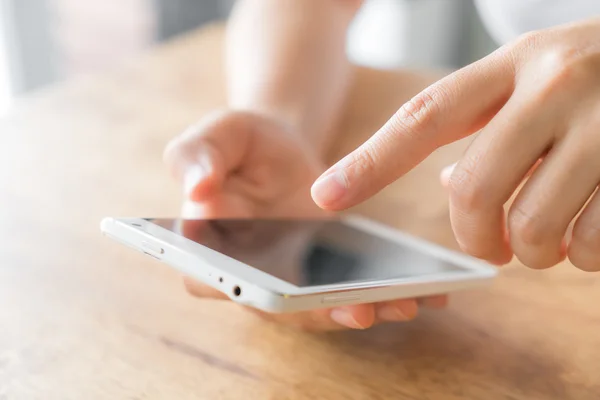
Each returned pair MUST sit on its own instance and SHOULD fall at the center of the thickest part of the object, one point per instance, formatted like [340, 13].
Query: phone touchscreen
[310, 253]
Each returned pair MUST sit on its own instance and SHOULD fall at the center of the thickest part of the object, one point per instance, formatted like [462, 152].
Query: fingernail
[391, 313]
[344, 317]
[447, 173]
[400, 310]
[193, 176]
[329, 189]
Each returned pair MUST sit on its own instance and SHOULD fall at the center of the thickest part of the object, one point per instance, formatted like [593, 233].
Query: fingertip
[409, 308]
[498, 252]
[193, 178]
[202, 177]
[200, 187]
[329, 190]
[503, 257]
[354, 317]
[365, 314]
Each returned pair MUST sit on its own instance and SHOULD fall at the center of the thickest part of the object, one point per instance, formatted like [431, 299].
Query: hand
[244, 165]
[536, 103]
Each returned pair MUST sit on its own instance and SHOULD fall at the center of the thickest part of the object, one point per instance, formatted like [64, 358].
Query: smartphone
[292, 265]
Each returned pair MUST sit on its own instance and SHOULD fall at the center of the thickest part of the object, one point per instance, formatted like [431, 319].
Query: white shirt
[507, 19]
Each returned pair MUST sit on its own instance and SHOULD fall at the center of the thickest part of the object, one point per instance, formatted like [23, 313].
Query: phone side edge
[185, 262]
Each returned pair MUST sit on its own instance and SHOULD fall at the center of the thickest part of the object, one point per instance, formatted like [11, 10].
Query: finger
[449, 110]
[484, 179]
[446, 172]
[397, 310]
[198, 289]
[202, 155]
[550, 200]
[360, 316]
[584, 248]
[197, 165]
[327, 319]
[314, 320]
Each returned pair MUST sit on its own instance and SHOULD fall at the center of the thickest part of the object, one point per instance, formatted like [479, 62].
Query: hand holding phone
[288, 266]
[243, 165]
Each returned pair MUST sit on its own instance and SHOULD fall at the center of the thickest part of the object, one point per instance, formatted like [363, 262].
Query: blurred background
[45, 41]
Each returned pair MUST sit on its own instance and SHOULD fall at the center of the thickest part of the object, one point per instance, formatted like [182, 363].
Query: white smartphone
[293, 265]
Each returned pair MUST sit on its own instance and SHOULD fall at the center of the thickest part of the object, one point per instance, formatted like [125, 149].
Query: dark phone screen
[310, 253]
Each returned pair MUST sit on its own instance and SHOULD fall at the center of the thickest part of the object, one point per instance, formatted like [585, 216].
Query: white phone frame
[263, 291]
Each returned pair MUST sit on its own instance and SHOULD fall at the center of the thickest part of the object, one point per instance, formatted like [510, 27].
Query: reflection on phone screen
[310, 253]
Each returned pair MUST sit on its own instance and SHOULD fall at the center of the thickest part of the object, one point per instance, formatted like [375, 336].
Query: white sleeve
[507, 19]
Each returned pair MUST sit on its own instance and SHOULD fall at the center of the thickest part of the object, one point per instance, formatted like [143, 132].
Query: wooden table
[84, 318]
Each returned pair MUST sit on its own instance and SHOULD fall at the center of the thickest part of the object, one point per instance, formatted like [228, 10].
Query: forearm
[287, 58]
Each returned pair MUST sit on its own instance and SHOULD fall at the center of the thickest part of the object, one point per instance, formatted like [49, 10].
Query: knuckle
[528, 41]
[422, 110]
[561, 69]
[549, 58]
[527, 227]
[467, 192]
[562, 57]
[536, 241]
[368, 158]
[365, 161]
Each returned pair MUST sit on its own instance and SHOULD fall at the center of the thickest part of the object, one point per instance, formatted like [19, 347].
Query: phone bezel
[128, 231]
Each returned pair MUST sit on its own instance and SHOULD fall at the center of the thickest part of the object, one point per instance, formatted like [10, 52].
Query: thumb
[202, 156]
[448, 110]
[198, 166]
[203, 174]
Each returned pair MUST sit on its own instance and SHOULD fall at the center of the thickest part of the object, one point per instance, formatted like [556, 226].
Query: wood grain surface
[84, 318]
